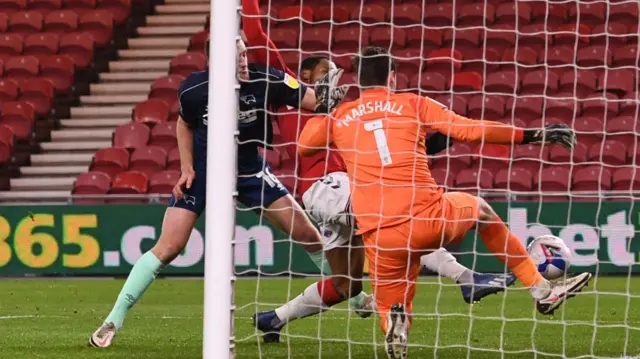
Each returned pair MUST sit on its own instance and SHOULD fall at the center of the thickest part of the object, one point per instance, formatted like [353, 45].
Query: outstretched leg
[176, 230]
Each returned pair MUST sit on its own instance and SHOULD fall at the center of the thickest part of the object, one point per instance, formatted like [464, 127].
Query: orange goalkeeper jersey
[381, 137]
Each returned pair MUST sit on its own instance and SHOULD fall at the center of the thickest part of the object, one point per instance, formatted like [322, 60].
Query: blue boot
[485, 284]
[269, 324]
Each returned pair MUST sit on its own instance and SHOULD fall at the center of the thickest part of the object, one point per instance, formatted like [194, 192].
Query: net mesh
[525, 63]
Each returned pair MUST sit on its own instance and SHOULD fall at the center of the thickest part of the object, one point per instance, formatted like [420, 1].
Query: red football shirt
[310, 169]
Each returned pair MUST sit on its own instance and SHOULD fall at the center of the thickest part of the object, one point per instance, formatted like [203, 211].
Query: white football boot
[395, 341]
[103, 336]
[561, 290]
[368, 307]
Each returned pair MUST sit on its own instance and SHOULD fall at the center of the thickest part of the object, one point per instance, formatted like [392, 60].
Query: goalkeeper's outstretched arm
[441, 119]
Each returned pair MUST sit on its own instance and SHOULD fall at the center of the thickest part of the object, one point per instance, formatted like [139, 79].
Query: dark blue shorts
[255, 190]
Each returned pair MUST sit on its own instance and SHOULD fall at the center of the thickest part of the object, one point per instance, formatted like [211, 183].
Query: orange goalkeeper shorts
[394, 252]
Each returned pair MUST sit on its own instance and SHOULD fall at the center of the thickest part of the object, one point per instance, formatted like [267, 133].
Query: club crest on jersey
[248, 99]
[190, 199]
[291, 82]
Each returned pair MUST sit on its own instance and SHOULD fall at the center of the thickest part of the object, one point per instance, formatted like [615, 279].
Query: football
[552, 256]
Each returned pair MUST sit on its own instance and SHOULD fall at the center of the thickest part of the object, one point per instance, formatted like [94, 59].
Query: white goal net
[523, 63]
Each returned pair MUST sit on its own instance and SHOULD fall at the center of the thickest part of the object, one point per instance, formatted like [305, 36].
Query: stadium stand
[528, 63]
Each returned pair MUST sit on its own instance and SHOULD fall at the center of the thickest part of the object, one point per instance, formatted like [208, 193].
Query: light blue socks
[140, 277]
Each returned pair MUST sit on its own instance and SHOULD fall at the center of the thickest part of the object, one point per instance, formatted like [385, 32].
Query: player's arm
[315, 136]
[265, 49]
[447, 122]
[184, 135]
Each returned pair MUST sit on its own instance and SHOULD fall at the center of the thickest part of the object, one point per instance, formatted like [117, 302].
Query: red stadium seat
[514, 179]
[151, 112]
[611, 153]
[629, 105]
[571, 34]
[545, 12]
[491, 157]
[346, 38]
[9, 90]
[110, 161]
[19, 116]
[429, 81]
[369, 14]
[407, 14]
[482, 61]
[41, 44]
[186, 63]
[44, 6]
[295, 12]
[443, 177]
[6, 143]
[163, 182]
[439, 15]
[626, 179]
[512, 13]
[455, 157]
[27, 22]
[12, 6]
[91, 183]
[561, 56]
[166, 87]
[419, 36]
[10, 45]
[21, 67]
[131, 136]
[120, 9]
[476, 14]
[60, 22]
[4, 22]
[589, 129]
[626, 56]
[534, 36]
[38, 92]
[467, 82]
[561, 155]
[164, 135]
[623, 129]
[174, 160]
[619, 81]
[388, 37]
[198, 41]
[562, 108]
[539, 82]
[408, 61]
[99, 24]
[456, 103]
[592, 178]
[525, 108]
[486, 107]
[444, 61]
[285, 38]
[500, 37]
[604, 105]
[129, 182]
[594, 56]
[60, 71]
[553, 179]
[530, 157]
[79, 47]
[578, 83]
[148, 160]
[80, 7]
[588, 12]
[336, 13]
[625, 13]
[503, 82]
[473, 179]
[463, 40]
[614, 34]
[520, 59]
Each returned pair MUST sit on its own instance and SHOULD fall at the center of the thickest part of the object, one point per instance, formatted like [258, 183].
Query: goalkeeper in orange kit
[401, 212]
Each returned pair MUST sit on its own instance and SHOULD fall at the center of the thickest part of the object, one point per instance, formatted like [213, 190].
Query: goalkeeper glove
[328, 93]
[551, 134]
[437, 142]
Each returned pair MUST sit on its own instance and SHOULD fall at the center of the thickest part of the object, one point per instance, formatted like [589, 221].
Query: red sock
[328, 292]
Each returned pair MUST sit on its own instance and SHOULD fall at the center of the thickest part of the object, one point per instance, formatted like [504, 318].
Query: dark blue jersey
[266, 90]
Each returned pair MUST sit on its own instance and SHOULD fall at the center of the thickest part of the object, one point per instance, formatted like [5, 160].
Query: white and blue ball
[551, 255]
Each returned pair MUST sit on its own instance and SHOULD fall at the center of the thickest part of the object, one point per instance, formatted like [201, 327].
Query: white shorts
[328, 201]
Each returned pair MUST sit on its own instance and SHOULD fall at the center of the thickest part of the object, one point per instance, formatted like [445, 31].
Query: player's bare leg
[176, 229]
[549, 295]
[287, 215]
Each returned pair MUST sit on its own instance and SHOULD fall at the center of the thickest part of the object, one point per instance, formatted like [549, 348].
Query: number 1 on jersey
[381, 140]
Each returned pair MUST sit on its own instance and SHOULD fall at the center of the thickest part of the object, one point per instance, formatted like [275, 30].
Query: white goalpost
[221, 182]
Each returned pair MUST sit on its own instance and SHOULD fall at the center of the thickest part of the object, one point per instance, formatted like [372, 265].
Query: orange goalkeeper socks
[508, 248]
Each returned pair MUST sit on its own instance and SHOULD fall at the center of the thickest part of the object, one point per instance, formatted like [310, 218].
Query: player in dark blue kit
[261, 88]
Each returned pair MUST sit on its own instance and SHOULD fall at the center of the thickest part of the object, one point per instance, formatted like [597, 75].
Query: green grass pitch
[48, 318]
